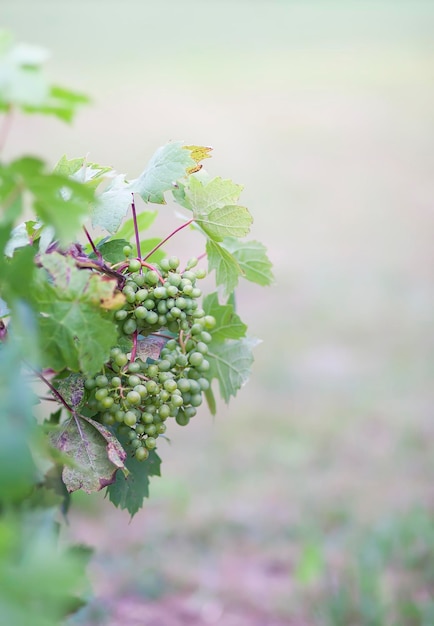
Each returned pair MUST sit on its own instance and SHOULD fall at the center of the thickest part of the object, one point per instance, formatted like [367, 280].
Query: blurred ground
[307, 500]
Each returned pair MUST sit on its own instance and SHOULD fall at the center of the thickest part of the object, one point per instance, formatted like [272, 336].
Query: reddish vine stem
[163, 241]
[90, 240]
[136, 227]
[53, 389]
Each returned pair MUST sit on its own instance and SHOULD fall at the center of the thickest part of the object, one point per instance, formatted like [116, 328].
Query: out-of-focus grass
[325, 112]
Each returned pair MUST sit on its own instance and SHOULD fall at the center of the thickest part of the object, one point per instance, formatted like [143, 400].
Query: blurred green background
[309, 500]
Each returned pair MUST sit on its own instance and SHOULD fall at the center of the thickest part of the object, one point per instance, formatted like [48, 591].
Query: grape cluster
[137, 395]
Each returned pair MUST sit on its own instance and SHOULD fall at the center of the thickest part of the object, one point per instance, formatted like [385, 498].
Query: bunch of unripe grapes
[137, 395]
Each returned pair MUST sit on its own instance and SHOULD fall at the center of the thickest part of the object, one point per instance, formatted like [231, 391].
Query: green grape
[190, 411]
[115, 381]
[190, 276]
[204, 384]
[152, 277]
[161, 429]
[101, 380]
[195, 359]
[132, 435]
[202, 347]
[200, 272]
[205, 336]
[183, 385]
[196, 399]
[162, 307]
[141, 295]
[141, 389]
[151, 430]
[119, 416]
[126, 251]
[134, 265]
[121, 359]
[170, 385]
[164, 411]
[133, 380]
[141, 454]
[140, 312]
[101, 393]
[136, 443]
[204, 366]
[164, 365]
[121, 315]
[182, 419]
[139, 279]
[160, 293]
[152, 317]
[173, 262]
[164, 395]
[176, 401]
[134, 367]
[107, 402]
[210, 322]
[133, 398]
[129, 418]
[165, 265]
[147, 418]
[108, 419]
[140, 429]
[172, 291]
[152, 387]
[129, 327]
[90, 383]
[152, 370]
[150, 443]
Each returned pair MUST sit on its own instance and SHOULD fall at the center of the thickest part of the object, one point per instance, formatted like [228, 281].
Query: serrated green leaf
[76, 329]
[167, 165]
[230, 364]
[225, 265]
[252, 258]
[229, 324]
[57, 200]
[112, 205]
[204, 196]
[144, 220]
[96, 453]
[227, 221]
[130, 491]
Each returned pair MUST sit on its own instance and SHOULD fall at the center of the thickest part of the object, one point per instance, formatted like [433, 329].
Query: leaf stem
[163, 241]
[53, 389]
[90, 240]
[136, 227]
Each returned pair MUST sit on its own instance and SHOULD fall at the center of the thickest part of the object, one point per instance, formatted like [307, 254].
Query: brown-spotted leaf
[96, 454]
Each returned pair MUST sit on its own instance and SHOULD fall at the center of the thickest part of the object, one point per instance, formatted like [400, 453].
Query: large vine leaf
[167, 165]
[128, 492]
[252, 258]
[228, 323]
[96, 454]
[204, 196]
[225, 265]
[75, 323]
[230, 364]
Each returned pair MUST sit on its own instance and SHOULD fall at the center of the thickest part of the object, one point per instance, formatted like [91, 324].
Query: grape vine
[116, 333]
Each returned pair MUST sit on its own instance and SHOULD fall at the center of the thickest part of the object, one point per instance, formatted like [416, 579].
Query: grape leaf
[230, 363]
[96, 454]
[76, 329]
[225, 265]
[229, 324]
[129, 492]
[59, 201]
[252, 258]
[213, 194]
[228, 221]
[112, 204]
[167, 165]
[146, 245]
